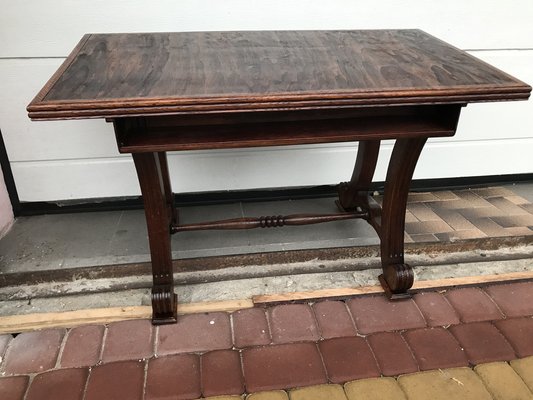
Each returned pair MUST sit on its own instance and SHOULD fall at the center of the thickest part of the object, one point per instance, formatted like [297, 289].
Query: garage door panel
[53, 27]
[259, 168]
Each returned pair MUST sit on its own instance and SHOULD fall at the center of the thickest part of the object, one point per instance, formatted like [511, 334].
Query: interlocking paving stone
[473, 305]
[128, 340]
[446, 195]
[422, 212]
[392, 353]
[460, 235]
[250, 328]
[374, 389]
[514, 221]
[508, 207]
[421, 197]
[482, 342]
[424, 238]
[270, 395]
[492, 229]
[319, 392]
[455, 219]
[427, 227]
[524, 368]
[292, 323]
[222, 398]
[436, 309]
[116, 381]
[64, 384]
[348, 358]
[502, 382]
[13, 387]
[482, 215]
[282, 366]
[518, 332]
[221, 373]
[518, 200]
[33, 351]
[82, 347]
[173, 377]
[514, 299]
[457, 204]
[454, 383]
[492, 192]
[195, 333]
[435, 348]
[333, 319]
[409, 217]
[378, 314]
[4, 341]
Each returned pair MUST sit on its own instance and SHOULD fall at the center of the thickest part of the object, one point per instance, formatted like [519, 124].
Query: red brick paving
[128, 340]
[392, 353]
[348, 358]
[195, 333]
[473, 305]
[292, 323]
[13, 388]
[250, 328]
[482, 342]
[174, 377]
[83, 346]
[64, 384]
[377, 314]
[436, 309]
[33, 352]
[221, 373]
[514, 299]
[282, 366]
[435, 348]
[323, 343]
[116, 381]
[333, 319]
[518, 332]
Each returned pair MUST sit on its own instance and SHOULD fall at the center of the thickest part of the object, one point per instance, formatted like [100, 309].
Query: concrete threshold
[246, 281]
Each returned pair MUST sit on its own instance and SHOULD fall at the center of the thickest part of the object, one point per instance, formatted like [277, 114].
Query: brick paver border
[303, 344]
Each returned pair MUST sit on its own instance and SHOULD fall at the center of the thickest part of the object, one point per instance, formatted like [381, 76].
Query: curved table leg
[154, 187]
[355, 193]
[169, 195]
[397, 276]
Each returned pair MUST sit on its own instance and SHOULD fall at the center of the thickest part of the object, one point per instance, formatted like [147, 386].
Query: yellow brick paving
[503, 382]
[331, 392]
[374, 389]
[446, 384]
[271, 395]
[524, 368]
[490, 381]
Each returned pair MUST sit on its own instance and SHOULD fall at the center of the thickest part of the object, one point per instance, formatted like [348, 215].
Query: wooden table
[214, 90]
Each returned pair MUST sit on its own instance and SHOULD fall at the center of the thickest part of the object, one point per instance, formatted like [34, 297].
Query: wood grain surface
[113, 75]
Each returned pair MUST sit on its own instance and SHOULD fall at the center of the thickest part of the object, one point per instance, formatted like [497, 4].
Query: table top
[134, 74]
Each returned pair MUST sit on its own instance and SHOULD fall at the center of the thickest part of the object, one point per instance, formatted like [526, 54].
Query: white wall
[6, 211]
[78, 159]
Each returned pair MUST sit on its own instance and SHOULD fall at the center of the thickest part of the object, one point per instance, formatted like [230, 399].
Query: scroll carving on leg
[397, 276]
[155, 188]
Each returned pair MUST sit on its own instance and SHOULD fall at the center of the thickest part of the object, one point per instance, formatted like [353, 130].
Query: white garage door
[78, 159]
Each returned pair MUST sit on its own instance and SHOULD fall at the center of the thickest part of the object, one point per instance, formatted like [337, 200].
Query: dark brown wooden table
[213, 90]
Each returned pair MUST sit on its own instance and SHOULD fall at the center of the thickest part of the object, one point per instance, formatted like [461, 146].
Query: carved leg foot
[164, 305]
[397, 276]
[156, 196]
[396, 280]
